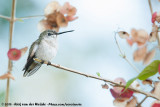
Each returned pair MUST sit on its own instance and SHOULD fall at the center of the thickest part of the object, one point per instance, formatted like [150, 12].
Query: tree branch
[139, 105]
[150, 6]
[10, 46]
[28, 17]
[94, 77]
[5, 17]
[124, 56]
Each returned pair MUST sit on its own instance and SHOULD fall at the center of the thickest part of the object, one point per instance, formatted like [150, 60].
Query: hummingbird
[44, 48]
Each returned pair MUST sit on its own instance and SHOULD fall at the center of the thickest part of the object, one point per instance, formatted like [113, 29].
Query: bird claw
[42, 62]
[49, 63]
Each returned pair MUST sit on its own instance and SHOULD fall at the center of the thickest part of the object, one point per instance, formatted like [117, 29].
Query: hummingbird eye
[49, 34]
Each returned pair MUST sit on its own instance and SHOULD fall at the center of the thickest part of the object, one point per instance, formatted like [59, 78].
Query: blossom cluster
[57, 16]
[142, 39]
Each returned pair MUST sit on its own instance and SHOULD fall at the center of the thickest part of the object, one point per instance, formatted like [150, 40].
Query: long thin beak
[65, 32]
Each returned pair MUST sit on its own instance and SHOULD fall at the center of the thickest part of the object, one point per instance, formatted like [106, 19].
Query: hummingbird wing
[32, 69]
[31, 66]
[33, 49]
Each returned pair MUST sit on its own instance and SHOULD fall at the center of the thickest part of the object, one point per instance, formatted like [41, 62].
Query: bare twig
[94, 77]
[124, 56]
[5, 17]
[28, 17]
[139, 105]
[150, 6]
[157, 35]
[10, 46]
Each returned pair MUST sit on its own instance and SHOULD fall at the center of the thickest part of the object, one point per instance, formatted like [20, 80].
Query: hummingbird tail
[32, 69]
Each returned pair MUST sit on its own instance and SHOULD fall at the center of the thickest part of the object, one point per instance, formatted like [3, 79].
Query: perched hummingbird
[44, 48]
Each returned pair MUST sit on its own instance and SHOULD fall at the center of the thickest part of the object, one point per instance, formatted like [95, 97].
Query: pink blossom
[14, 54]
[71, 18]
[154, 15]
[123, 95]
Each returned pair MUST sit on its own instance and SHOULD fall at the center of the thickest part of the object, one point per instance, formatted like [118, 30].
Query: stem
[94, 77]
[28, 17]
[139, 105]
[150, 5]
[157, 35]
[10, 46]
[124, 56]
[5, 17]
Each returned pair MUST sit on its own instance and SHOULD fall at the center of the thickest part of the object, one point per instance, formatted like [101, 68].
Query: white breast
[47, 50]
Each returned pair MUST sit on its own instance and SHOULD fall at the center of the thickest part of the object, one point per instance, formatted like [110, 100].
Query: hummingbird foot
[42, 62]
[49, 63]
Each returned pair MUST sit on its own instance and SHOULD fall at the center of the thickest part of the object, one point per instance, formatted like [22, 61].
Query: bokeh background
[90, 48]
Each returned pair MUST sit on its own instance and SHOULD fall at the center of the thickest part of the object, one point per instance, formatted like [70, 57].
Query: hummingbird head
[51, 34]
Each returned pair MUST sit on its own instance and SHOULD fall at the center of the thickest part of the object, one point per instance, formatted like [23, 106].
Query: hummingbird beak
[65, 32]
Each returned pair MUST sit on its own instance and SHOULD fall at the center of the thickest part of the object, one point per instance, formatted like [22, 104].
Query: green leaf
[149, 71]
[130, 82]
[98, 74]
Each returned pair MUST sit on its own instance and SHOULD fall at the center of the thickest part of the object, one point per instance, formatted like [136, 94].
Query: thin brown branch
[124, 56]
[139, 105]
[94, 77]
[28, 17]
[10, 46]
[5, 17]
[157, 35]
[150, 6]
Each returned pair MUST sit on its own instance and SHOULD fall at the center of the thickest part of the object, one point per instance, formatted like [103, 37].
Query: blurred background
[90, 48]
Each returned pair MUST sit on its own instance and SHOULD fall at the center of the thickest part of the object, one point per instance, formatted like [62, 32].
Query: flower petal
[51, 8]
[119, 80]
[154, 15]
[71, 18]
[136, 85]
[147, 81]
[105, 86]
[156, 89]
[7, 75]
[152, 37]
[61, 20]
[140, 54]
[134, 34]
[119, 103]
[132, 103]
[130, 41]
[64, 8]
[139, 36]
[68, 9]
[127, 94]
[153, 34]
[149, 56]
[23, 50]
[155, 104]
[45, 25]
[123, 34]
[123, 95]
[142, 36]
